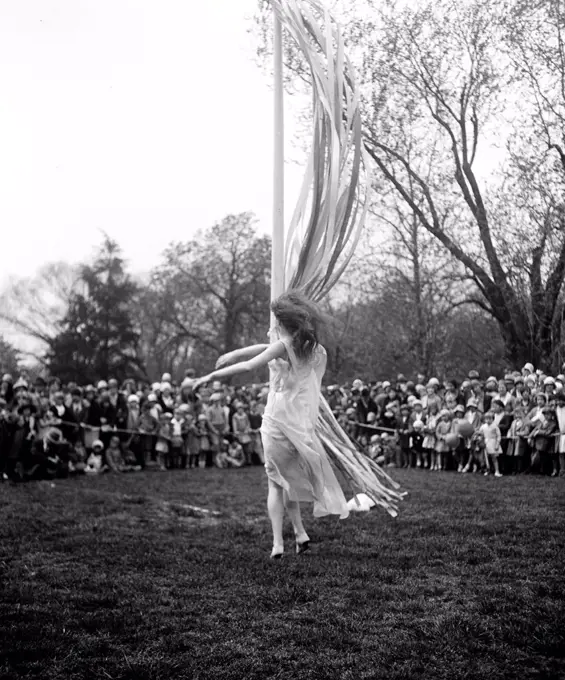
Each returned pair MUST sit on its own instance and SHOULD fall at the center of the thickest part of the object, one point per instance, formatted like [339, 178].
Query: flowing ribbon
[332, 206]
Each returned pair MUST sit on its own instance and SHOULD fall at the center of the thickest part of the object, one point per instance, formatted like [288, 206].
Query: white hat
[187, 382]
[549, 381]
[166, 377]
[133, 399]
[155, 387]
[416, 402]
[386, 384]
[433, 381]
[98, 444]
[528, 367]
[102, 385]
[20, 383]
[165, 386]
[152, 397]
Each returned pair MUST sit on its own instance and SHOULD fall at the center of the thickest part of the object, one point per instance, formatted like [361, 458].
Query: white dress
[294, 457]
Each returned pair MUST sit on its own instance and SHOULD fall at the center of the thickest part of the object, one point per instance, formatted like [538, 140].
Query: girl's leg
[496, 466]
[293, 509]
[275, 506]
[562, 464]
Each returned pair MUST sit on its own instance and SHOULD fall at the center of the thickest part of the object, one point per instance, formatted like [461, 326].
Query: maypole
[326, 224]
[277, 252]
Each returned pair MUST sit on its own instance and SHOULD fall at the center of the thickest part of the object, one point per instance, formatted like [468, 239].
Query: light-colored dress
[492, 437]
[294, 456]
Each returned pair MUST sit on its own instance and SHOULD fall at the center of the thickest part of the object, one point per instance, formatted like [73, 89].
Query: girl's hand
[197, 384]
[225, 360]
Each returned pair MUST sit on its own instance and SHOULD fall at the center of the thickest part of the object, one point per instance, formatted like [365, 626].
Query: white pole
[277, 256]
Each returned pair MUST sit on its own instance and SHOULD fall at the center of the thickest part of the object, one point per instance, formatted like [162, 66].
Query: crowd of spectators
[502, 426]
[51, 430]
[509, 425]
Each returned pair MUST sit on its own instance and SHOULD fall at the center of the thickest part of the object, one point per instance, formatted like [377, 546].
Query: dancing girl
[296, 464]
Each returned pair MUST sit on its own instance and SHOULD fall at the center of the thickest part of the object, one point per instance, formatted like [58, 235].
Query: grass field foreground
[117, 577]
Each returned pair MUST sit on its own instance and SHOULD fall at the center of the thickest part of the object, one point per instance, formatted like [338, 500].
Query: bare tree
[35, 307]
[442, 93]
[211, 294]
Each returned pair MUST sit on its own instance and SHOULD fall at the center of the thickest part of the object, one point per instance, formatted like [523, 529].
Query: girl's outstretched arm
[240, 355]
[274, 351]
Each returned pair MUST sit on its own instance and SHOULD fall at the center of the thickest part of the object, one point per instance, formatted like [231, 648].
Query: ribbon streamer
[331, 210]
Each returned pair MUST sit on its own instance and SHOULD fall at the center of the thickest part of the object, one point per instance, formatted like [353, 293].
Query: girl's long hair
[303, 320]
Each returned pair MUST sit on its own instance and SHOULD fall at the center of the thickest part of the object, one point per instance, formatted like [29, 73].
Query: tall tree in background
[9, 358]
[445, 66]
[212, 293]
[98, 339]
[443, 87]
[33, 308]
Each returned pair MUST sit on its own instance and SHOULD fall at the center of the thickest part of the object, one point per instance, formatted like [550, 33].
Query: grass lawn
[113, 577]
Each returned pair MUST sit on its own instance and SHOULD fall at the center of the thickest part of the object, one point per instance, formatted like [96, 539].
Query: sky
[145, 120]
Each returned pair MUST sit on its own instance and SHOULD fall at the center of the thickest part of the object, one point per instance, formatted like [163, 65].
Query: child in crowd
[502, 418]
[164, 437]
[460, 451]
[116, 460]
[404, 437]
[388, 449]
[148, 428]
[204, 438]
[177, 442]
[236, 454]
[95, 461]
[374, 446]
[475, 443]
[230, 455]
[518, 450]
[492, 439]
[429, 443]
[242, 431]
[255, 421]
[441, 449]
[543, 440]
[560, 418]
[191, 441]
[417, 425]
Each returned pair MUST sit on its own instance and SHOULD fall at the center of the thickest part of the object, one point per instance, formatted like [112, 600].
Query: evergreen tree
[8, 358]
[99, 339]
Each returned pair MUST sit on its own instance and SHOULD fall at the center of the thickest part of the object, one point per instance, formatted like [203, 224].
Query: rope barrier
[56, 422]
[412, 432]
